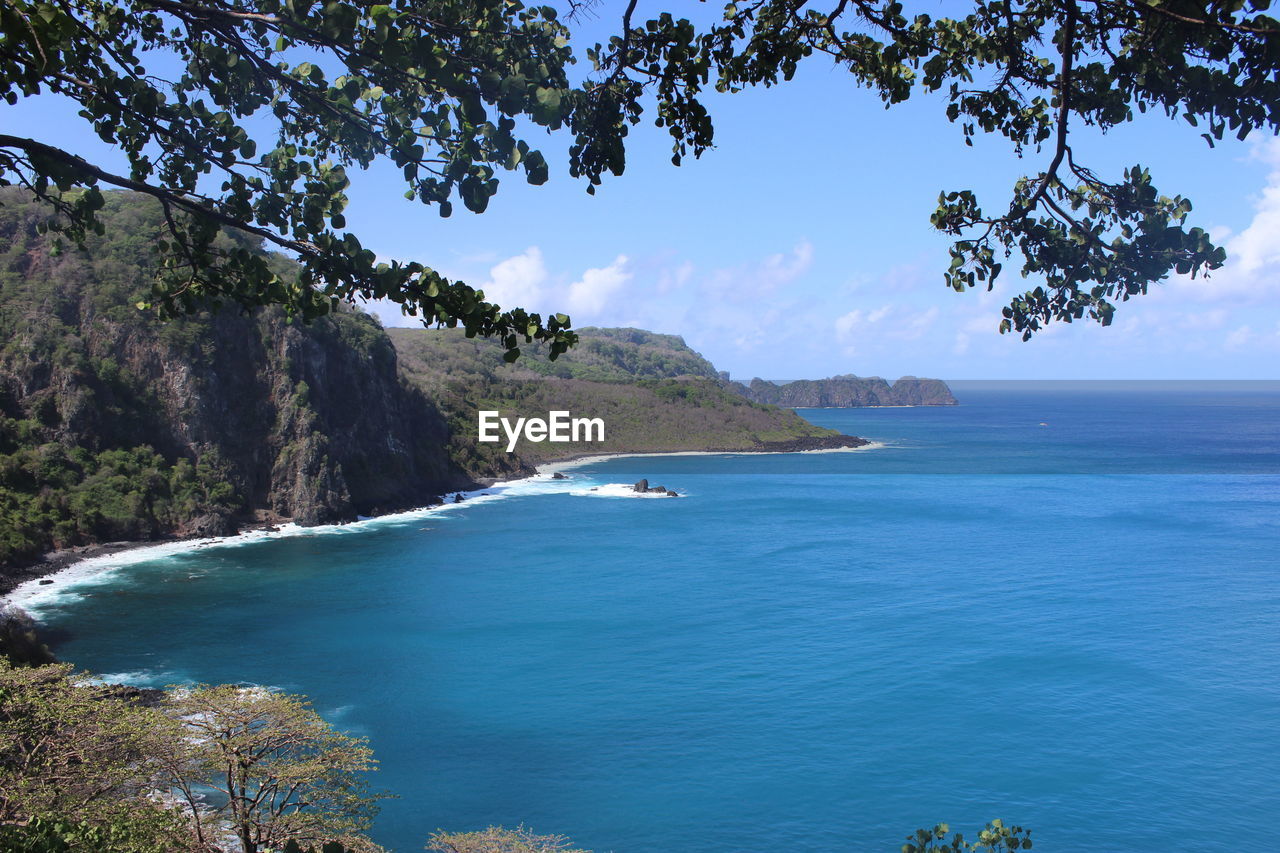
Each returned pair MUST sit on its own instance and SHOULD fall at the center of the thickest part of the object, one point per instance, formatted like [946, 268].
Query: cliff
[849, 392]
[114, 425]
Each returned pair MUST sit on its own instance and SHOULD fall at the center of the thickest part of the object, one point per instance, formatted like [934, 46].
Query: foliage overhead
[445, 91]
[1031, 71]
[184, 89]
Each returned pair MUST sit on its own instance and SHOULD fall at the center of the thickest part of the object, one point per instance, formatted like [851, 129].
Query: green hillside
[115, 425]
[653, 393]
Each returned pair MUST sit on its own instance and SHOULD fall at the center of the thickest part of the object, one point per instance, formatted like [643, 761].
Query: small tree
[269, 769]
[496, 839]
[78, 762]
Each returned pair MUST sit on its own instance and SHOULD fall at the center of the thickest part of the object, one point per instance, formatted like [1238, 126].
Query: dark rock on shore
[148, 697]
[212, 524]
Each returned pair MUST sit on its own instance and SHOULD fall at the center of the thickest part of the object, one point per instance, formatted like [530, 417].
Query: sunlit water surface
[1058, 607]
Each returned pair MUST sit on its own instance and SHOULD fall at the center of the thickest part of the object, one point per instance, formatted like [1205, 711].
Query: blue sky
[801, 247]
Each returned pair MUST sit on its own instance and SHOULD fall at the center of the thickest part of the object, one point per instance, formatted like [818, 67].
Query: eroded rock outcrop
[194, 426]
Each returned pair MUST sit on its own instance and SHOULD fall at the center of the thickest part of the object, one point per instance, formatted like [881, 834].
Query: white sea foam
[138, 678]
[553, 467]
[70, 583]
[615, 490]
[67, 585]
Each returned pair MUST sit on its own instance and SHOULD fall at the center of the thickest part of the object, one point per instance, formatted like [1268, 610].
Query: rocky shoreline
[13, 576]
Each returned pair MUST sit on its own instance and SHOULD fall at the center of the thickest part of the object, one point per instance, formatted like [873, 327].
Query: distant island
[848, 391]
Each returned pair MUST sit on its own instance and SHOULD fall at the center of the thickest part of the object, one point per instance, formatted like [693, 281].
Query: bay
[1058, 605]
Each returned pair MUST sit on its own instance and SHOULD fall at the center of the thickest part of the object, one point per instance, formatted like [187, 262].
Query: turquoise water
[1074, 626]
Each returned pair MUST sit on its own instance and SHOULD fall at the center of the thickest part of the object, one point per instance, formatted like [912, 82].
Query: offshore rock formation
[849, 391]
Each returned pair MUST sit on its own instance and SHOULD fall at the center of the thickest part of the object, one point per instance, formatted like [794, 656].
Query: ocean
[1055, 604]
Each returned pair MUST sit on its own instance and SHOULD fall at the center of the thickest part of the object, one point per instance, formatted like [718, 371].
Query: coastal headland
[117, 428]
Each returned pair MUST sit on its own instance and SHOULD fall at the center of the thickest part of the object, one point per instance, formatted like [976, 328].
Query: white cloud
[916, 325]
[858, 327]
[1245, 337]
[590, 294]
[980, 323]
[388, 313]
[1253, 255]
[518, 281]
[674, 279]
[782, 269]
[1239, 338]
[760, 280]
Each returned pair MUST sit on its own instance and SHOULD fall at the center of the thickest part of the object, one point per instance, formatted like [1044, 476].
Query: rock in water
[642, 486]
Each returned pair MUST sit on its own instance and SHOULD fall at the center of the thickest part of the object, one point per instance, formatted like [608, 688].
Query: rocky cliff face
[849, 392]
[910, 391]
[114, 425]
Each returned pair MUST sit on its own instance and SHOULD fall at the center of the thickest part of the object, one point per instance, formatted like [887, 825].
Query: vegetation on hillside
[618, 355]
[77, 430]
[117, 425]
[653, 393]
[849, 391]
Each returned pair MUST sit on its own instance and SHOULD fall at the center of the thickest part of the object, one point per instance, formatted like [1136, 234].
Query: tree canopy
[280, 773]
[88, 767]
[249, 114]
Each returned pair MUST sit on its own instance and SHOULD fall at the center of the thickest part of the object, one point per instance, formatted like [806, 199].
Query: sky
[800, 247]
